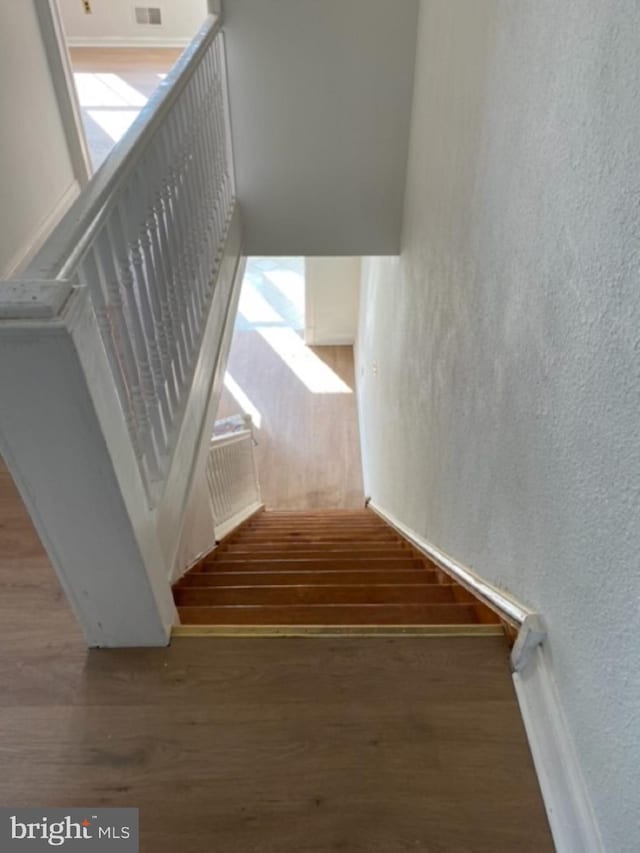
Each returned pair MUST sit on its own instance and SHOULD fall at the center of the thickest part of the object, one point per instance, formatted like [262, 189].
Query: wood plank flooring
[377, 745]
[308, 451]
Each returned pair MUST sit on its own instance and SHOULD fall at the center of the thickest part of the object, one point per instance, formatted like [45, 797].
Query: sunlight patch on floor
[115, 123]
[307, 366]
[106, 90]
[242, 400]
[290, 284]
[255, 308]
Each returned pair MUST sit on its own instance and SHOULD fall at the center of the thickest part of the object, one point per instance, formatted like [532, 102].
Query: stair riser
[264, 554]
[318, 578]
[316, 595]
[307, 543]
[294, 536]
[322, 569]
[292, 547]
[230, 564]
[375, 614]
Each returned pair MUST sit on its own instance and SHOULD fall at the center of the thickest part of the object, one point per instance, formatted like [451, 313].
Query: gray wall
[320, 108]
[503, 421]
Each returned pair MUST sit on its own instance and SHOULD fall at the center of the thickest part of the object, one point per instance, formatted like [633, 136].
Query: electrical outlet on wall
[86, 5]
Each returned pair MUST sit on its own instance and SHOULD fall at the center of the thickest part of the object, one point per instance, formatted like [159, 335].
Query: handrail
[146, 238]
[70, 238]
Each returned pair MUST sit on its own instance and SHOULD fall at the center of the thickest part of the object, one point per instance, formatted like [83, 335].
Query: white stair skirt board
[573, 824]
[230, 525]
[571, 818]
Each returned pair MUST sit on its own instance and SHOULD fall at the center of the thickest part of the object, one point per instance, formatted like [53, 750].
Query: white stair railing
[112, 351]
[146, 239]
[232, 478]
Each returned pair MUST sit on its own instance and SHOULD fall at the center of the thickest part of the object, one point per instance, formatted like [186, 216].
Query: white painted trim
[564, 792]
[108, 563]
[236, 520]
[23, 256]
[192, 444]
[52, 33]
[571, 817]
[23, 299]
[127, 41]
[332, 341]
[497, 599]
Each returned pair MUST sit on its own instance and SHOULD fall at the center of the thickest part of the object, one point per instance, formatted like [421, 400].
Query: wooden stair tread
[314, 594]
[314, 536]
[282, 552]
[311, 563]
[322, 569]
[320, 577]
[330, 614]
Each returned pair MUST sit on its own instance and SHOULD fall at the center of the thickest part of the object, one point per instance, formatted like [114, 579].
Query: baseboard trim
[331, 341]
[126, 41]
[564, 792]
[336, 631]
[498, 600]
[21, 258]
[571, 818]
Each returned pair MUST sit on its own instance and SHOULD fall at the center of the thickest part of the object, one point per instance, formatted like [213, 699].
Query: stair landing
[323, 572]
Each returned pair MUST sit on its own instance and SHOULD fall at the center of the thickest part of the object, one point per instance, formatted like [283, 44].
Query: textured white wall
[320, 110]
[37, 180]
[332, 293]
[503, 421]
[113, 22]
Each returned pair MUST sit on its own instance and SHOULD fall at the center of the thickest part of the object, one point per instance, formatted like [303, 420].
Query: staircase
[340, 571]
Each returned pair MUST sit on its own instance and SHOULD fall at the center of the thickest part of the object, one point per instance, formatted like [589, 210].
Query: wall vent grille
[148, 15]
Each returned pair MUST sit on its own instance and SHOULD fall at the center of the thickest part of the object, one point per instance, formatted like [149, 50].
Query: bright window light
[242, 400]
[311, 370]
[290, 284]
[255, 308]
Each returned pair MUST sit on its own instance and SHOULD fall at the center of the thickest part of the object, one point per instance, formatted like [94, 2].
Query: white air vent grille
[148, 15]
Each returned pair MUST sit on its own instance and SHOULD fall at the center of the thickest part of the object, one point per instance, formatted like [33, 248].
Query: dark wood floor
[364, 745]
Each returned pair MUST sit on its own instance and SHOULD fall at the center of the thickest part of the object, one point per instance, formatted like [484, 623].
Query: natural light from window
[307, 366]
[109, 101]
[272, 304]
[242, 400]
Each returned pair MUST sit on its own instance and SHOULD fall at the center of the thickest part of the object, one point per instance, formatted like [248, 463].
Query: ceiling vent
[148, 15]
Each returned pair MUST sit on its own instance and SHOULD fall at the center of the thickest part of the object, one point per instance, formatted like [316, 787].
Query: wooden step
[325, 525]
[318, 577]
[286, 554]
[315, 595]
[312, 536]
[288, 563]
[331, 614]
[314, 542]
[325, 547]
[317, 522]
[311, 572]
[301, 514]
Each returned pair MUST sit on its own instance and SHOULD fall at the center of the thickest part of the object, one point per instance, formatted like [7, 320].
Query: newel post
[64, 438]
